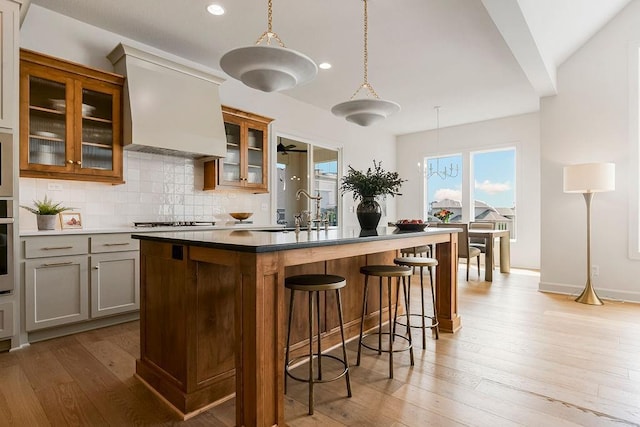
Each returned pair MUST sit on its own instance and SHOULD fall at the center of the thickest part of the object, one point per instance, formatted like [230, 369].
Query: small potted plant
[46, 212]
[443, 215]
[366, 186]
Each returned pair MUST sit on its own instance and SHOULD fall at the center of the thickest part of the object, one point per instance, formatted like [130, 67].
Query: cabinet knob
[96, 267]
[78, 162]
[70, 161]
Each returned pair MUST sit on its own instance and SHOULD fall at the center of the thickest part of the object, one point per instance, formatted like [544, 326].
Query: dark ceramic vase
[369, 213]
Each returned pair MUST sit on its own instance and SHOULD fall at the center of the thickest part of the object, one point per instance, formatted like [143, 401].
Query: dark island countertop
[277, 240]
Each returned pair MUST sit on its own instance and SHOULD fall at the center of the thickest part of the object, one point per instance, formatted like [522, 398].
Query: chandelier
[365, 111]
[446, 171]
[269, 68]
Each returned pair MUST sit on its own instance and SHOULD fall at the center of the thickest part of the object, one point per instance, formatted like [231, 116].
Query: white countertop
[139, 230]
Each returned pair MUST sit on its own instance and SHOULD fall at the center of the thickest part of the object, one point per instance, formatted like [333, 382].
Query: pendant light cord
[269, 34]
[365, 84]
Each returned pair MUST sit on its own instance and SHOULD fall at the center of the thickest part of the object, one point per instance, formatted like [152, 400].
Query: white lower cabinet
[56, 291]
[6, 319]
[114, 283]
[70, 279]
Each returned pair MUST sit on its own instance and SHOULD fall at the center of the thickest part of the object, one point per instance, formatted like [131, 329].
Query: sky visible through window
[494, 178]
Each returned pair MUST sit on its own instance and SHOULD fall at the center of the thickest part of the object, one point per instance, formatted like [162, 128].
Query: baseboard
[603, 293]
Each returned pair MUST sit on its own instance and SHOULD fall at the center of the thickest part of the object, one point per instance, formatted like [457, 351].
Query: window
[494, 175]
[443, 183]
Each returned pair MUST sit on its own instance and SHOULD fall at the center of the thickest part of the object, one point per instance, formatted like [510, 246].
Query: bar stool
[314, 284]
[388, 271]
[421, 263]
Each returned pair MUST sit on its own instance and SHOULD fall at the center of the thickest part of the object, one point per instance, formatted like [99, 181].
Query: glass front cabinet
[245, 165]
[70, 120]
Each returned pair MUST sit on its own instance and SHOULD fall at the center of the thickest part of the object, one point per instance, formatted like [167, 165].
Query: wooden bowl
[241, 216]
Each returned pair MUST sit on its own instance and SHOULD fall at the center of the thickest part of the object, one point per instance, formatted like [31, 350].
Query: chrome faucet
[317, 198]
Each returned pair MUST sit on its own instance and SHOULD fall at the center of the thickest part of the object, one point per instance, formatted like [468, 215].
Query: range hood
[169, 108]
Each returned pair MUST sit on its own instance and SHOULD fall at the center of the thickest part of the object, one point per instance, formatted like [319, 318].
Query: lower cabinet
[114, 283]
[6, 319]
[70, 279]
[56, 291]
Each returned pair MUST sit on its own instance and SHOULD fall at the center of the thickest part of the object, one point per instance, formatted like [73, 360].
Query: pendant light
[365, 111]
[269, 68]
[445, 172]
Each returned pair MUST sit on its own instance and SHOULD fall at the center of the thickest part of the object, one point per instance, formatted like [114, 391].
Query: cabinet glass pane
[255, 156]
[97, 130]
[231, 163]
[47, 125]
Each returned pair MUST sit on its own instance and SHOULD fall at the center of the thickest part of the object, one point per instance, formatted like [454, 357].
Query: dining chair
[480, 242]
[465, 250]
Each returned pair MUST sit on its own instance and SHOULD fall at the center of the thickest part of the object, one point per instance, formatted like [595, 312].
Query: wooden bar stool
[421, 263]
[388, 271]
[314, 284]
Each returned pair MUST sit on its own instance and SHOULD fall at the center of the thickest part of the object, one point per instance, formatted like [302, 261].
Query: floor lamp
[588, 179]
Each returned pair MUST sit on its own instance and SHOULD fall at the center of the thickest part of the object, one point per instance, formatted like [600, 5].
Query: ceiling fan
[286, 149]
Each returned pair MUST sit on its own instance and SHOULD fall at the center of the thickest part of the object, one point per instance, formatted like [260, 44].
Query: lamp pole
[588, 295]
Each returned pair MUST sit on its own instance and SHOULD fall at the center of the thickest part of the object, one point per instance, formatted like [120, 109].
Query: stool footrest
[382, 350]
[434, 321]
[315, 355]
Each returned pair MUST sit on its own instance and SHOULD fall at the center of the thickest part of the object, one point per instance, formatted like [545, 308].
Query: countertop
[140, 230]
[270, 241]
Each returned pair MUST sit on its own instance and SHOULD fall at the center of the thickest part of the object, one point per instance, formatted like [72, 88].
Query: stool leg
[364, 311]
[344, 345]
[380, 318]
[286, 357]
[424, 326]
[408, 308]
[395, 314]
[433, 299]
[390, 331]
[319, 340]
[311, 353]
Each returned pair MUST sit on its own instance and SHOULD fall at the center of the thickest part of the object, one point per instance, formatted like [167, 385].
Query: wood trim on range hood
[169, 108]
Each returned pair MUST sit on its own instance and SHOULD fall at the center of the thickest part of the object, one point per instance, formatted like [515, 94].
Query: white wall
[589, 120]
[57, 35]
[520, 131]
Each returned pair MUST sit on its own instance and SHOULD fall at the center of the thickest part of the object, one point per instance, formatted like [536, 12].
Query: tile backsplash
[157, 188]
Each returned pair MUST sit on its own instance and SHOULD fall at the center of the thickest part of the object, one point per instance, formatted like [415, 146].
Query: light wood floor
[522, 358]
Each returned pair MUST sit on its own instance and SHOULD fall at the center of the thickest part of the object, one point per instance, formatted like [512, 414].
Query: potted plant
[366, 186]
[46, 212]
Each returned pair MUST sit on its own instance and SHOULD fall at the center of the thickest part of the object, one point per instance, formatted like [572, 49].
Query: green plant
[374, 182]
[46, 207]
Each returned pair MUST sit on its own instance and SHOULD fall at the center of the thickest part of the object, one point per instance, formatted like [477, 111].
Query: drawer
[113, 243]
[39, 247]
[6, 319]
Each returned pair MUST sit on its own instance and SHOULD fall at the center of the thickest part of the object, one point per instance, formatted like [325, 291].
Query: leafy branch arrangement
[374, 182]
[46, 207]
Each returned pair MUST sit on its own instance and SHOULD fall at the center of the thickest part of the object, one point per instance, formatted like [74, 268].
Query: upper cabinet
[70, 120]
[245, 166]
[9, 12]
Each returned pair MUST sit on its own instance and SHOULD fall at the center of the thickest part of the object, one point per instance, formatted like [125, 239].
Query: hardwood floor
[522, 358]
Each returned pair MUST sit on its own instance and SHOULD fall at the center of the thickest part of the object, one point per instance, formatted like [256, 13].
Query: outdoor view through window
[491, 188]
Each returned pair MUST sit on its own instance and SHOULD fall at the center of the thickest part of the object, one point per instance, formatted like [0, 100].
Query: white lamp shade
[365, 112]
[589, 178]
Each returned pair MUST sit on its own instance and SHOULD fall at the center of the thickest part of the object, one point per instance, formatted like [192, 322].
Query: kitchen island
[212, 319]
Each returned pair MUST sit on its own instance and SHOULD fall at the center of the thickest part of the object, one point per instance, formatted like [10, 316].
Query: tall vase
[369, 213]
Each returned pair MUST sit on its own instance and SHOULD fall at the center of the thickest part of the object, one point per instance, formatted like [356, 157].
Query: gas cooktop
[173, 223]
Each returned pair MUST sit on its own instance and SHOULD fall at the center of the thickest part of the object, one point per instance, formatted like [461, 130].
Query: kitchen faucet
[317, 198]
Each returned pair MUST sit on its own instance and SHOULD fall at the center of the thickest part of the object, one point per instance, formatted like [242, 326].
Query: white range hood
[169, 108]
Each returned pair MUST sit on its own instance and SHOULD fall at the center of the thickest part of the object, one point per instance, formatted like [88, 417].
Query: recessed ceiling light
[215, 9]
[324, 65]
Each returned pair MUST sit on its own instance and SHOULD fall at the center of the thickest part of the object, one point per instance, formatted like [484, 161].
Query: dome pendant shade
[365, 112]
[269, 68]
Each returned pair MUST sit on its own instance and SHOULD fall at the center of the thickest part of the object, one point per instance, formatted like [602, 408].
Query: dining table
[489, 237]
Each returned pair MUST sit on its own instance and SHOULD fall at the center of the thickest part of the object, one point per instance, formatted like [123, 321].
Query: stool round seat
[416, 261]
[386, 270]
[315, 282]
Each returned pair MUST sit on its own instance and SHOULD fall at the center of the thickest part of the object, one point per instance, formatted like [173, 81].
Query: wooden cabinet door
[56, 291]
[115, 283]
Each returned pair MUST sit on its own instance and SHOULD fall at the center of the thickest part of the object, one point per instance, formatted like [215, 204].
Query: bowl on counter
[241, 216]
[408, 226]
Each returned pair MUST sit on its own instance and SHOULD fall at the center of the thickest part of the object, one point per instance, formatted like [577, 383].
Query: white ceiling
[478, 59]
